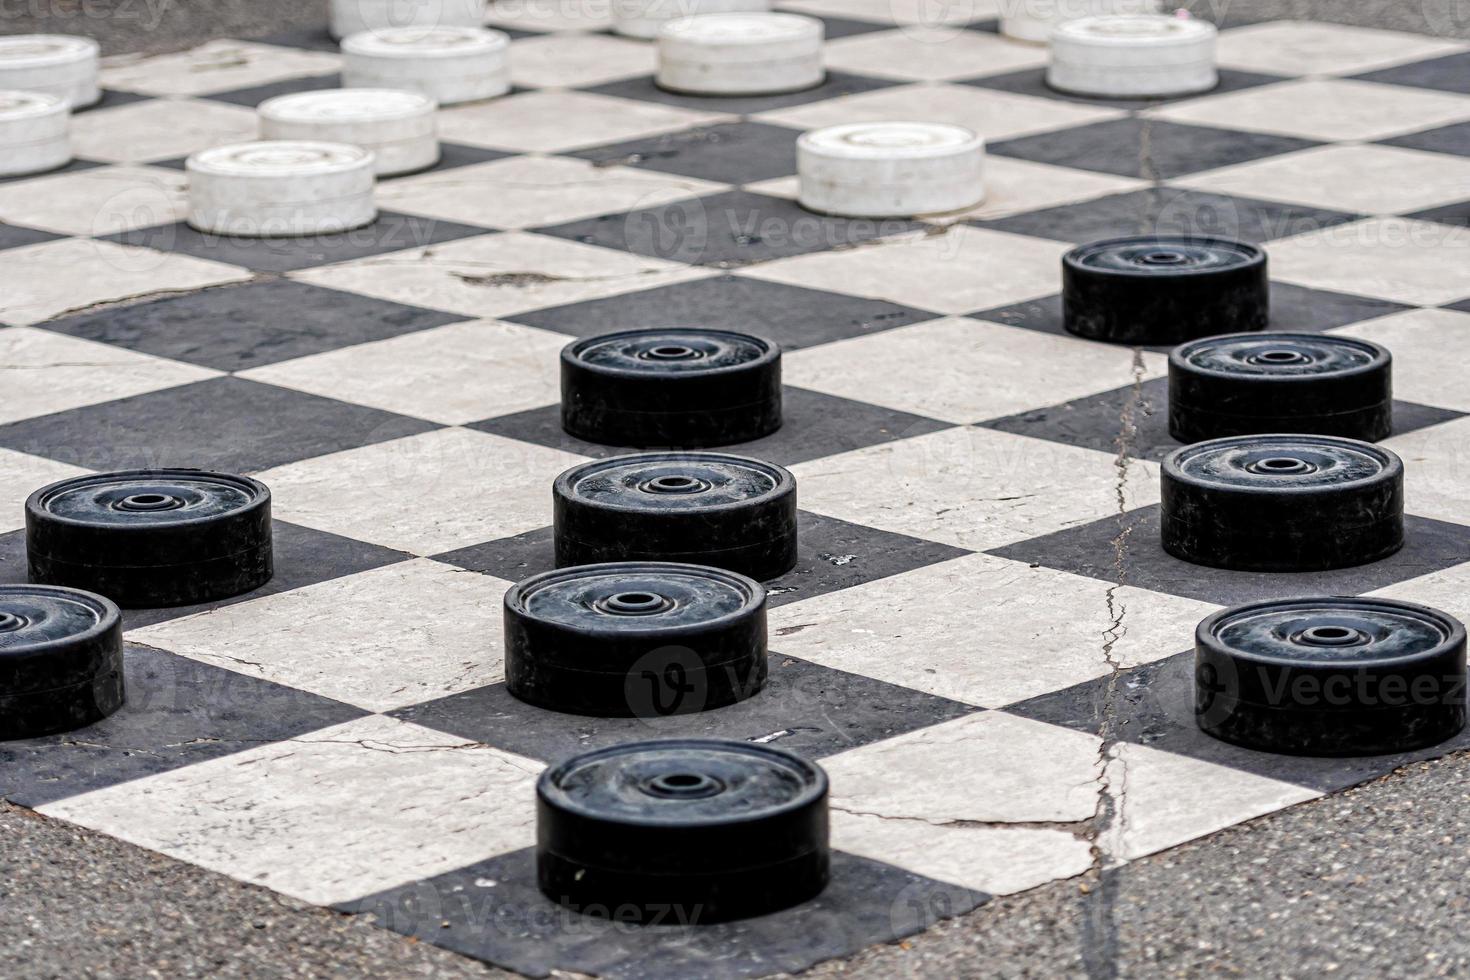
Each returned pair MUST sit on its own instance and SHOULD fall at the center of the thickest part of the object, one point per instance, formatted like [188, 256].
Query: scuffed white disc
[397, 126]
[740, 54]
[1134, 56]
[281, 188]
[1034, 20]
[448, 65]
[643, 18]
[56, 64]
[350, 17]
[34, 133]
[890, 169]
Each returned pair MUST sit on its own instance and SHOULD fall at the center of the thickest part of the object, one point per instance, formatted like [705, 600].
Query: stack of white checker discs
[281, 189]
[643, 18]
[398, 127]
[351, 17]
[35, 133]
[1133, 57]
[1034, 20]
[740, 54]
[56, 64]
[890, 169]
[447, 64]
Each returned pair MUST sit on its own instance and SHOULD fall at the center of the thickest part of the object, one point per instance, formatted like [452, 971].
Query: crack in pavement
[1099, 928]
[1077, 828]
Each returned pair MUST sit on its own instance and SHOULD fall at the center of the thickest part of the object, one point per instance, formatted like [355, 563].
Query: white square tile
[381, 639]
[555, 121]
[1416, 262]
[21, 474]
[99, 202]
[1430, 349]
[550, 15]
[930, 54]
[1357, 178]
[159, 129]
[939, 801]
[331, 816]
[424, 494]
[97, 272]
[579, 60]
[218, 66]
[1161, 799]
[1288, 47]
[1447, 589]
[530, 191]
[985, 630]
[996, 860]
[46, 372]
[497, 275]
[1436, 469]
[989, 767]
[994, 115]
[454, 374]
[963, 370]
[962, 270]
[974, 488]
[1327, 109]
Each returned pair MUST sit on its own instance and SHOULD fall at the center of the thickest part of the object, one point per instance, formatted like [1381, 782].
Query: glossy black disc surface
[635, 639]
[149, 538]
[60, 660]
[1164, 290]
[1331, 676]
[694, 508]
[718, 829]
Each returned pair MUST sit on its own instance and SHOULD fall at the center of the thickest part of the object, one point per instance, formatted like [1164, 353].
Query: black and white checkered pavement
[983, 642]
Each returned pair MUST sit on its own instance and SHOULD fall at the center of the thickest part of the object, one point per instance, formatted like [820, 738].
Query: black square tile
[1095, 422]
[256, 94]
[493, 911]
[837, 84]
[1153, 705]
[1173, 149]
[1032, 81]
[831, 555]
[178, 712]
[1457, 215]
[726, 230]
[793, 316]
[223, 423]
[1429, 546]
[731, 153]
[1170, 211]
[233, 328]
[816, 425]
[451, 157]
[1292, 308]
[304, 38]
[14, 236]
[839, 27]
[111, 99]
[1448, 74]
[303, 556]
[392, 232]
[804, 707]
[1446, 139]
[77, 164]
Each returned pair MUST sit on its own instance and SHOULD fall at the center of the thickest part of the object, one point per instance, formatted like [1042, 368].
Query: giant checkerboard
[982, 642]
